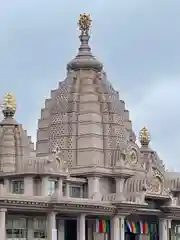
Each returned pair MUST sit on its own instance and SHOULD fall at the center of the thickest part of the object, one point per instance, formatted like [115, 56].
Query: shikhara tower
[86, 166]
[84, 116]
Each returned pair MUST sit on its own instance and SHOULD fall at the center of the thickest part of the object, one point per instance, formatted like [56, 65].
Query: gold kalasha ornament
[144, 136]
[9, 102]
[9, 105]
[84, 23]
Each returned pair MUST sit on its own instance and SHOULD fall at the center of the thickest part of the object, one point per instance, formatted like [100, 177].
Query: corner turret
[14, 142]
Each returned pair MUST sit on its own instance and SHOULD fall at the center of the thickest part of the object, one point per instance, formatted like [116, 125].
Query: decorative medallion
[133, 157]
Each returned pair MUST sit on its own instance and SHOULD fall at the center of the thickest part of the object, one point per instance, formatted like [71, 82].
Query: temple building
[87, 178]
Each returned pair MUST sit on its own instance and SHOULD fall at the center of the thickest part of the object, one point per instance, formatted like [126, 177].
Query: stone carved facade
[84, 138]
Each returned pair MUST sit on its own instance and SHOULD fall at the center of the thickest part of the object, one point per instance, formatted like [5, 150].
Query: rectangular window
[75, 191]
[17, 186]
[40, 226]
[16, 229]
[52, 183]
[37, 186]
[178, 229]
[64, 189]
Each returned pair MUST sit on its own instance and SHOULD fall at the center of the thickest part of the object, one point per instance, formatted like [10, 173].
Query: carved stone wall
[15, 146]
[85, 119]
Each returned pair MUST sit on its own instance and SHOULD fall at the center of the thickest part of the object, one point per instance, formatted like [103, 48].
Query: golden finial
[84, 23]
[9, 105]
[144, 136]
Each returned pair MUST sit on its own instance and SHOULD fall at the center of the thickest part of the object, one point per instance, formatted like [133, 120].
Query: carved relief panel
[156, 183]
[133, 155]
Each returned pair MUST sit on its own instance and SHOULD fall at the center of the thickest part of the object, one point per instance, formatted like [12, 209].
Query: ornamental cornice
[34, 173]
[60, 207]
[102, 171]
[171, 208]
[173, 215]
[83, 208]
[24, 205]
[157, 196]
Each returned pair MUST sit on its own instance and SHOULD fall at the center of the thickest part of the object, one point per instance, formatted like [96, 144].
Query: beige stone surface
[84, 133]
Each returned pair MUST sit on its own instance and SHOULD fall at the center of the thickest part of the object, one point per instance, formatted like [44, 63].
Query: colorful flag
[102, 225]
[145, 228]
[134, 227]
[128, 225]
[141, 227]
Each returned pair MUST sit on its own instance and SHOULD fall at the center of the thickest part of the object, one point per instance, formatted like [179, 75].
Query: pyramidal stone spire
[84, 59]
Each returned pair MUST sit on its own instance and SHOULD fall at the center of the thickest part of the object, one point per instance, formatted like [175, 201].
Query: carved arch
[156, 183]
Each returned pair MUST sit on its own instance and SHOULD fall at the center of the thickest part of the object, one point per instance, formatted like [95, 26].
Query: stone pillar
[2, 189]
[44, 186]
[81, 220]
[119, 188]
[122, 229]
[81, 192]
[51, 226]
[30, 233]
[67, 190]
[119, 184]
[61, 230]
[169, 228]
[59, 190]
[78, 228]
[163, 229]
[94, 188]
[3, 223]
[117, 228]
[7, 187]
[29, 186]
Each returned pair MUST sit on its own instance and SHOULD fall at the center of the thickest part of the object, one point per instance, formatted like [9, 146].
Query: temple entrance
[70, 230]
[131, 236]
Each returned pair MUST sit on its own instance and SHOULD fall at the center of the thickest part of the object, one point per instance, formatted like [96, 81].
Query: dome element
[9, 106]
[84, 59]
[144, 136]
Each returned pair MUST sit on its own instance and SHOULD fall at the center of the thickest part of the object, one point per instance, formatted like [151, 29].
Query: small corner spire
[9, 106]
[144, 137]
[84, 23]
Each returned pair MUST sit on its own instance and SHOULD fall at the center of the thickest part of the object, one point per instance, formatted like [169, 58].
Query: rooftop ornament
[84, 59]
[9, 106]
[84, 23]
[144, 137]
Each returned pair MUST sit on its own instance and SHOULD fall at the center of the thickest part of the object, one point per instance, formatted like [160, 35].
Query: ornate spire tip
[9, 105]
[84, 23]
[144, 136]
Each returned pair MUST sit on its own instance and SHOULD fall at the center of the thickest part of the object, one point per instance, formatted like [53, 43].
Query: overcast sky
[137, 40]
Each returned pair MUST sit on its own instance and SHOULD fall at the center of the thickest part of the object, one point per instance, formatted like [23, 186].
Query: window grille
[17, 186]
[16, 229]
[52, 183]
[75, 191]
[39, 227]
